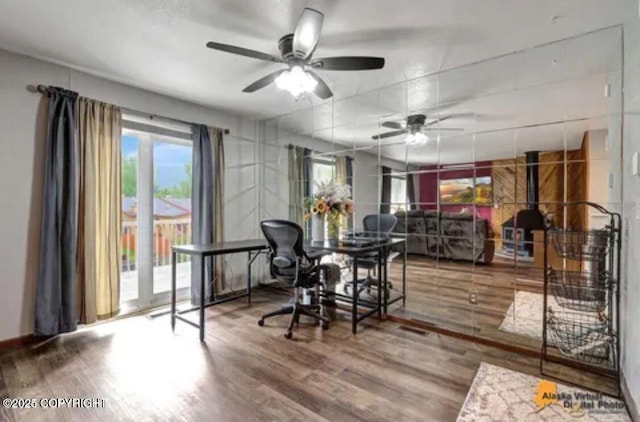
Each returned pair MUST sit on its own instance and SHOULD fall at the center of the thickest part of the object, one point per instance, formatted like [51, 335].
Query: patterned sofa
[446, 235]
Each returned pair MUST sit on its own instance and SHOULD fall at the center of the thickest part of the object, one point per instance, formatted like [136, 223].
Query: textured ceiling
[160, 45]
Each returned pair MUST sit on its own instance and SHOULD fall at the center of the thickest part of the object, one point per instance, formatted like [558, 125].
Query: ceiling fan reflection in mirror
[414, 129]
[296, 51]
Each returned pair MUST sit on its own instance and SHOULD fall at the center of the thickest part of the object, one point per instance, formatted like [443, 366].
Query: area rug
[499, 394]
[524, 316]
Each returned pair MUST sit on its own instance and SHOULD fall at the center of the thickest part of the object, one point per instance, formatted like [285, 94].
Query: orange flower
[321, 207]
[348, 208]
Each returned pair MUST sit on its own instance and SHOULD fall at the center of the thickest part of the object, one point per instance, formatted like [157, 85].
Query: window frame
[398, 206]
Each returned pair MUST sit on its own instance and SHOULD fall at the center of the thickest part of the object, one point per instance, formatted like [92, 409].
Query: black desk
[253, 247]
[353, 251]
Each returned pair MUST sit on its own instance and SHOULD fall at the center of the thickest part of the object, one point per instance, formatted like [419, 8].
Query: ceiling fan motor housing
[416, 122]
[285, 45]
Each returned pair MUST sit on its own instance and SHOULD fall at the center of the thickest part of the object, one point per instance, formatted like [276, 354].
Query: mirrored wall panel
[467, 166]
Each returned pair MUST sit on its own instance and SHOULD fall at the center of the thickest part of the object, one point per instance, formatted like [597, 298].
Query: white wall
[21, 171]
[631, 194]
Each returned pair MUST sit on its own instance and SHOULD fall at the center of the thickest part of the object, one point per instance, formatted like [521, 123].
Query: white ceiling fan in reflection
[414, 129]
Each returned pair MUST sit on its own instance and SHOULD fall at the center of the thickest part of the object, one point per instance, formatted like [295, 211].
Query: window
[398, 194]
[322, 171]
[156, 209]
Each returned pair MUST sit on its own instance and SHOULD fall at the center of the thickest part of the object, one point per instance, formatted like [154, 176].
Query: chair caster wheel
[261, 322]
[288, 336]
[325, 326]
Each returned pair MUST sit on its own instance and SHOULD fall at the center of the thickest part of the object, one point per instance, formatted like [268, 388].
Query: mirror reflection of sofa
[446, 235]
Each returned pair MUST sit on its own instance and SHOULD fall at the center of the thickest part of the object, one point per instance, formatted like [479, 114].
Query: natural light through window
[398, 194]
[323, 171]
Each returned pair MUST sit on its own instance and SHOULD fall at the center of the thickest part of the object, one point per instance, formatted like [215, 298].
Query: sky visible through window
[171, 162]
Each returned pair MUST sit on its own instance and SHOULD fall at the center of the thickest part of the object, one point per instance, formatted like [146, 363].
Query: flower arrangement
[332, 201]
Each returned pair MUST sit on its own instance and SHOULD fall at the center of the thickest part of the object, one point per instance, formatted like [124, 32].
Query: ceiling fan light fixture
[296, 81]
[416, 139]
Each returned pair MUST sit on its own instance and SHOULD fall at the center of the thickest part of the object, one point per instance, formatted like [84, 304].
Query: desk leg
[379, 271]
[354, 304]
[173, 290]
[249, 261]
[385, 284]
[202, 294]
[404, 277]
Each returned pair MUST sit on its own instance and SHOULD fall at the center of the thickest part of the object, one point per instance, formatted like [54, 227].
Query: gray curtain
[350, 183]
[297, 190]
[202, 204]
[216, 136]
[307, 176]
[411, 192]
[300, 179]
[56, 294]
[307, 173]
[385, 195]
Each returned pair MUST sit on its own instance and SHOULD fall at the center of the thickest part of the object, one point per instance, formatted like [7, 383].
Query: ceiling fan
[414, 128]
[296, 51]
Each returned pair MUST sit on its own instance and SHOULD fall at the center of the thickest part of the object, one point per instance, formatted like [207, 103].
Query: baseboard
[17, 341]
[632, 406]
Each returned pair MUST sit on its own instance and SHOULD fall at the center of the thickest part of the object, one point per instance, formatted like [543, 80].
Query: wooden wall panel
[510, 188]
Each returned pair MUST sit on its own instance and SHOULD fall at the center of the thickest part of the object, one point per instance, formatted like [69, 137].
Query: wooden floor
[439, 294]
[249, 373]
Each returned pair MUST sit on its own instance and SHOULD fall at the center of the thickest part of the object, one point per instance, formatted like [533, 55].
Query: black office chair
[376, 226]
[290, 263]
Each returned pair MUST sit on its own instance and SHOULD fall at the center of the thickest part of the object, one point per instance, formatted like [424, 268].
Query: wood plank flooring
[438, 294]
[243, 372]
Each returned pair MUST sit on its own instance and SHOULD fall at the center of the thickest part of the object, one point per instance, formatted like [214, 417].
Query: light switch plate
[635, 164]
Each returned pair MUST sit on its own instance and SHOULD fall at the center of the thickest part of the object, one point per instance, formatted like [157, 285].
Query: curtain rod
[42, 89]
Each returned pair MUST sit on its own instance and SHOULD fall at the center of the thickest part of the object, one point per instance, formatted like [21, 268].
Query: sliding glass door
[156, 214]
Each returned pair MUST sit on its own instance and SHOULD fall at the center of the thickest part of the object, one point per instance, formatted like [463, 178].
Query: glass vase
[333, 228]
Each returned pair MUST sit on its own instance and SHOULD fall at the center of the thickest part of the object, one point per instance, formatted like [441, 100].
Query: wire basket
[580, 244]
[580, 336]
[580, 290]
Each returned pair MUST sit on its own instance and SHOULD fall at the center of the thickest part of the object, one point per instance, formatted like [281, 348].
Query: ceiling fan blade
[389, 134]
[307, 33]
[443, 129]
[348, 63]
[262, 82]
[392, 125]
[322, 89]
[243, 52]
[435, 122]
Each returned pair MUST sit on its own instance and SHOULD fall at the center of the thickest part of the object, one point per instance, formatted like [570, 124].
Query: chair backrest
[379, 223]
[285, 239]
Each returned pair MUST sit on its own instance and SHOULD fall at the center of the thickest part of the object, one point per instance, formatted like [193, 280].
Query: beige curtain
[100, 128]
[217, 146]
[341, 178]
